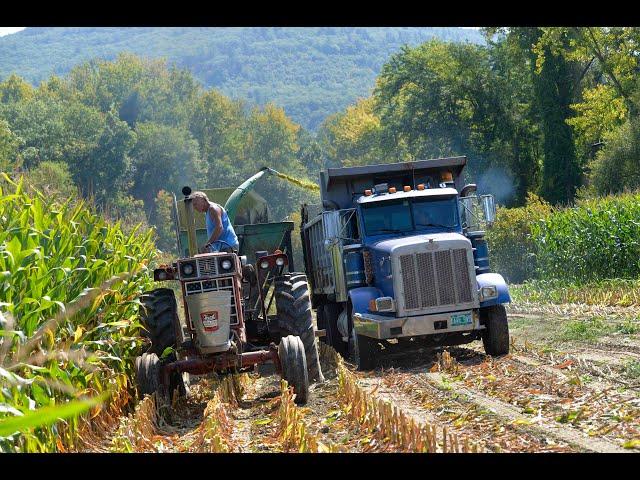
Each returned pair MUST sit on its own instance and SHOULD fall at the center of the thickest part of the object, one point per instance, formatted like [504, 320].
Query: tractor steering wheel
[220, 241]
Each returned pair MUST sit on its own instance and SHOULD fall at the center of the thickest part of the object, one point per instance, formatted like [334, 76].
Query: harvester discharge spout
[234, 200]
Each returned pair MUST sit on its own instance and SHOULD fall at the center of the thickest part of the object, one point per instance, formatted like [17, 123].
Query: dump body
[396, 250]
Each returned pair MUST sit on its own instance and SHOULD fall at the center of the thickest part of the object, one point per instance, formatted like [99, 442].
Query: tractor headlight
[264, 264]
[226, 264]
[280, 261]
[188, 269]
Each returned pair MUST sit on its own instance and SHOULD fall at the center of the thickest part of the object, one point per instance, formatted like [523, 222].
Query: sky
[7, 30]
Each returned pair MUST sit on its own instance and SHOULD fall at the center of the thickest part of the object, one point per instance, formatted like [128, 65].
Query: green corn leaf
[47, 415]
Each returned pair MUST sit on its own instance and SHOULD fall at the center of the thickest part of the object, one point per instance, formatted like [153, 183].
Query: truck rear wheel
[495, 336]
[333, 337]
[294, 366]
[159, 316]
[294, 317]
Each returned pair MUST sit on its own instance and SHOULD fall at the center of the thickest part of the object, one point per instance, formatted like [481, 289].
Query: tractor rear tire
[294, 366]
[495, 336]
[159, 316]
[294, 317]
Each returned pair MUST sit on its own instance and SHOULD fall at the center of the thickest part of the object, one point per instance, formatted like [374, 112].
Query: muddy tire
[293, 304]
[362, 351]
[495, 337]
[294, 366]
[159, 316]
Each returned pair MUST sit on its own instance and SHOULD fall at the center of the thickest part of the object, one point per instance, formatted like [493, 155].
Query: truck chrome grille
[207, 266]
[409, 281]
[435, 279]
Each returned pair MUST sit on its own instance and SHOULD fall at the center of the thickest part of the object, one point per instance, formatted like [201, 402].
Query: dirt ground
[570, 384]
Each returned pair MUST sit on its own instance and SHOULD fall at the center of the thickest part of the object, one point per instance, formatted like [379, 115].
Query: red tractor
[230, 325]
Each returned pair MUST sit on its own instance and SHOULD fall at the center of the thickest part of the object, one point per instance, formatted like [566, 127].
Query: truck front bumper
[381, 327]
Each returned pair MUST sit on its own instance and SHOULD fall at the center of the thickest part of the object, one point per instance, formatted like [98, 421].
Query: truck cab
[396, 254]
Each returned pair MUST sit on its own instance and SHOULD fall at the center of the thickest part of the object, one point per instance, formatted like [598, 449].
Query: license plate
[464, 319]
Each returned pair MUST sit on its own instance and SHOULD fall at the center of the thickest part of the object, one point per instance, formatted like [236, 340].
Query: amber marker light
[367, 193]
[406, 188]
[392, 189]
[421, 186]
[447, 177]
[372, 305]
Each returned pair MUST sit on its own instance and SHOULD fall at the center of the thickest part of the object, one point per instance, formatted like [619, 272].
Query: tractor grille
[203, 286]
[207, 267]
[435, 279]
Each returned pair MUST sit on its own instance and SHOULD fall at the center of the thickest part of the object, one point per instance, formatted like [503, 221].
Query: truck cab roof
[429, 192]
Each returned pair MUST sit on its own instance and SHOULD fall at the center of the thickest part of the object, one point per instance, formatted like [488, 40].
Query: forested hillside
[311, 72]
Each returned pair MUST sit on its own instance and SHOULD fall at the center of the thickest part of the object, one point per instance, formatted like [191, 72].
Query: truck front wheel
[362, 351]
[495, 336]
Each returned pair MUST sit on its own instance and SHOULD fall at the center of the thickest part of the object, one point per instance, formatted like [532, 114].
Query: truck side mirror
[488, 208]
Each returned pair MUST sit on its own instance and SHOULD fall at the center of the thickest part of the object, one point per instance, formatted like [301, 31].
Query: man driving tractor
[222, 237]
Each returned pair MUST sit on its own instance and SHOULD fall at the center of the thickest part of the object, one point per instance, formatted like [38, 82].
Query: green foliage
[617, 165]
[54, 180]
[588, 329]
[68, 288]
[511, 244]
[165, 222]
[9, 144]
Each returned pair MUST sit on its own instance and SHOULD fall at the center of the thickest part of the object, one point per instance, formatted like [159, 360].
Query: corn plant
[69, 288]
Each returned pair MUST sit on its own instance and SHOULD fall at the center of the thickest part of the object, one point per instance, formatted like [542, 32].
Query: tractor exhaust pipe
[191, 226]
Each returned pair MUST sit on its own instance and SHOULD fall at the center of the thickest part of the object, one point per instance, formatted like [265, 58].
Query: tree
[554, 81]
[9, 145]
[164, 158]
[353, 137]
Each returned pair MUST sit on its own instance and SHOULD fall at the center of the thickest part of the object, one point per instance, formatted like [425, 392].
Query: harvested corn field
[457, 399]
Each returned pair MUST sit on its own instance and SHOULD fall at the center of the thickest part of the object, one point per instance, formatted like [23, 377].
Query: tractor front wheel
[294, 366]
[147, 374]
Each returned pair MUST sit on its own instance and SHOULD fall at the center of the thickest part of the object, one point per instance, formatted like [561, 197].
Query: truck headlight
[487, 293]
[226, 264]
[264, 264]
[280, 261]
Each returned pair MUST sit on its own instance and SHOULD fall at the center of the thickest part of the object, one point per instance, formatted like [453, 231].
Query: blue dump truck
[396, 257]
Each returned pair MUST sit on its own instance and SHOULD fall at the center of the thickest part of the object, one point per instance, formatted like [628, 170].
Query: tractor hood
[425, 242]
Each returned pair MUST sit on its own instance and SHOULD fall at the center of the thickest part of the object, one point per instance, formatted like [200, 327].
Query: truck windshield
[387, 217]
[435, 213]
[401, 216]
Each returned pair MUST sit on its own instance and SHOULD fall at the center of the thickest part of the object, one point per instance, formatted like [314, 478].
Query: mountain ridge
[312, 72]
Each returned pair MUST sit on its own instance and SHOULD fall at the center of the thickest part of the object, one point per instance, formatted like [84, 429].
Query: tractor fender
[488, 279]
[359, 298]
